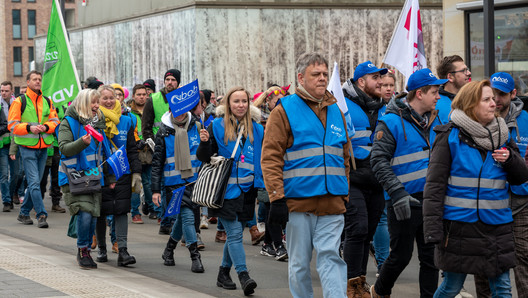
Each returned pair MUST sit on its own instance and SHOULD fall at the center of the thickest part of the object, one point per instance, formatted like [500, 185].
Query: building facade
[23, 20]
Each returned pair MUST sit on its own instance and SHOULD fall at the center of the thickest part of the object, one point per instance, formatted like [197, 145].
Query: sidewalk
[31, 270]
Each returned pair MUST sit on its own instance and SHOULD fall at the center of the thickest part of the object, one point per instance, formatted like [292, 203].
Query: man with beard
[457, 74]
[155, 107]
[366, 202]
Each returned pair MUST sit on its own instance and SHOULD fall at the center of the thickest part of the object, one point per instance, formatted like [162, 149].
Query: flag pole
[68, 44]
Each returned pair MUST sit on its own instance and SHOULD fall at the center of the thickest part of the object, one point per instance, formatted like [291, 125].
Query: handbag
[211, 185]
[72, 227]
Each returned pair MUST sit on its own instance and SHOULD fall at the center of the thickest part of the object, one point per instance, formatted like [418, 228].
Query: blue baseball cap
[502, 81]
[366, 68]
[423, 77]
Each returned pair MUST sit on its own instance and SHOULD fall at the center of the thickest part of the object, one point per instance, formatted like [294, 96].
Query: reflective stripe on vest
[411, 155]
[476, 189]
[30, 116]
[242, 174]
[173, 176]
[362, 139]
[160, 108]
[314, 164]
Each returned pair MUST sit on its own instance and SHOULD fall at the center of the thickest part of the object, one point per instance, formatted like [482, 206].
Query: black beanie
[173, 72]
[150, 84]
[94, 84]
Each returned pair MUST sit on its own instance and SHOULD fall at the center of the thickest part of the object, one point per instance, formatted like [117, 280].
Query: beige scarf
[112, 119]
[489, 137]
[182, 155]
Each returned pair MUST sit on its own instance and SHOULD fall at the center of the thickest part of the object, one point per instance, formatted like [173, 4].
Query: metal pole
[489, 38]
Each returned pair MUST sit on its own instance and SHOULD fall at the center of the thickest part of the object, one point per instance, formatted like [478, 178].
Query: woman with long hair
[466, 201]
[236, 116]
[116, 201]
[82, 152]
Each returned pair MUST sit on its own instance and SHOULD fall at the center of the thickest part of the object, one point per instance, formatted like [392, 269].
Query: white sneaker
[464, 294]
[261, 227]
[203, 222]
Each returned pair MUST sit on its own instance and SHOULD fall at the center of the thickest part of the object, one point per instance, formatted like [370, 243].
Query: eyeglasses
[465, 71]
[276, 92]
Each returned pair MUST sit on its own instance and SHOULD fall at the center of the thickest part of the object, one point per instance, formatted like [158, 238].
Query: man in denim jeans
[32, 120]
[5, 140]
[305, 164]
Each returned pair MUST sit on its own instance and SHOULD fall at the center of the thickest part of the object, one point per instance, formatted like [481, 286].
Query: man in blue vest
[457, 74]
[305, 164]
[154, 109]
[510, 107]
[365, 204]
[399, 159]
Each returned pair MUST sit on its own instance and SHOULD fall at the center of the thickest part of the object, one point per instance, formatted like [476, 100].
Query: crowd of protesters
[440, 167]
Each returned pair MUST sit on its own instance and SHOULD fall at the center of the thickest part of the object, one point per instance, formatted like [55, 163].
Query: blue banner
[184, 99]
[175, 203]
[119, 162]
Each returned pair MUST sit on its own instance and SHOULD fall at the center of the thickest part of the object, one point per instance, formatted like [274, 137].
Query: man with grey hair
[305, 164]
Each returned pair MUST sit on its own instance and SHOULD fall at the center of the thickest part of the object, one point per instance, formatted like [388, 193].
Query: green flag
[60, 81]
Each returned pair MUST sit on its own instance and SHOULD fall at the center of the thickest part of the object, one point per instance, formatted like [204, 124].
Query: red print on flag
[406, 49]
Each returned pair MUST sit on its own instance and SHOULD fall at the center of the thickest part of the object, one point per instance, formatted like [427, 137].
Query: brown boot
[366, 286]
[375, 295]
[355, 288]
[94, 242]
[221, 236]
[256, 236]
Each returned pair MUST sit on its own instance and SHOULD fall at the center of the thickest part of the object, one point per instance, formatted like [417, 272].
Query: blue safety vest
[443, 105]
[314, 165]
[88, 159]
[362, 140]
[476, 189]
[411, 157]
[521, 139]
[172, 176]
[245, 174]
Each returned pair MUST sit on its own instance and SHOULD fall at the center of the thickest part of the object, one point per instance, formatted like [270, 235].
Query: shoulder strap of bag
[237, 141]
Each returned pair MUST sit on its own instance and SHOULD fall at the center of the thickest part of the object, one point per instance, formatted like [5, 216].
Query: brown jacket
[277, 138]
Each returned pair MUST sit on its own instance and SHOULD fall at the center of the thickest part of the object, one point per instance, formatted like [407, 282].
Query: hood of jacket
[354, 93]
[255, 112]
[399, 107]
[99, 123]
[442, 91]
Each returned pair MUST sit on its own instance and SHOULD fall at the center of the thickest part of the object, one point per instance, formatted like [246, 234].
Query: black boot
[247, 283]
[124, 259]
[224, 279]
[101, 255]
[196, 266]
[82, 258]
[93, 264]
[168, 253]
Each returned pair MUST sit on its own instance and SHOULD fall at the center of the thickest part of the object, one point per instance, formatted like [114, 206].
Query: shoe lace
[85, 253]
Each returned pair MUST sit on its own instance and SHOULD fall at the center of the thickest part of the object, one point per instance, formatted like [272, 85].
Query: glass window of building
[17, 61]
[29, 1]
[15, 0]
[32, 23]
[511, 44]
[16, 24]
[31, 57]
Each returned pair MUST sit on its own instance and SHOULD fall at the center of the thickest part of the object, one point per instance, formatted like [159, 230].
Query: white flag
[334, 86]
[406, 48]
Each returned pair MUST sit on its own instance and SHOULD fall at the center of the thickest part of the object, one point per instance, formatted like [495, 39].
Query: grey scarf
[489, 137]
[182, 155]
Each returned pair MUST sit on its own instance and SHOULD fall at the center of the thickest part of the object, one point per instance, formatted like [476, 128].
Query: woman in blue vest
[466, 202]
[119, 129]
[174, 161]
[234, 116]
[82, 152]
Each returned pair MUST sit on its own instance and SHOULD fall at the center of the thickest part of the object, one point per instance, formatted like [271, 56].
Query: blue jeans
[252, 222]
[381, 240]
[34, 161]
[304, 233]
[146, 175]
[184, 225]
[4, 175]
[234, 253]
[262, 212]
[85, 229]
[16, 176]
[453, 282]
[135, 202]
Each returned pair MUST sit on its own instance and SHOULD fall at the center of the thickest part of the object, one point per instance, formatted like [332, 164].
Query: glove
[140, 145]
[278, 214]
[402, 207]
[136, 182]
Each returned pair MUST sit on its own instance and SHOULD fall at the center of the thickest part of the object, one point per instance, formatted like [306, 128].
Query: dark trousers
[53, 170]
[402, 236]
[364, 209]
[273, 233]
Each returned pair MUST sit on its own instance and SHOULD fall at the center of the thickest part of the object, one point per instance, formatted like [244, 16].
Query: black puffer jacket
[158, 162]
[117, 201]
[147, 119]
[384, 146]
[472, 248]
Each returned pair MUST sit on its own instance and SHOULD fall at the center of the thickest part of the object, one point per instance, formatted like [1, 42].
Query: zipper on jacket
[448, 232]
